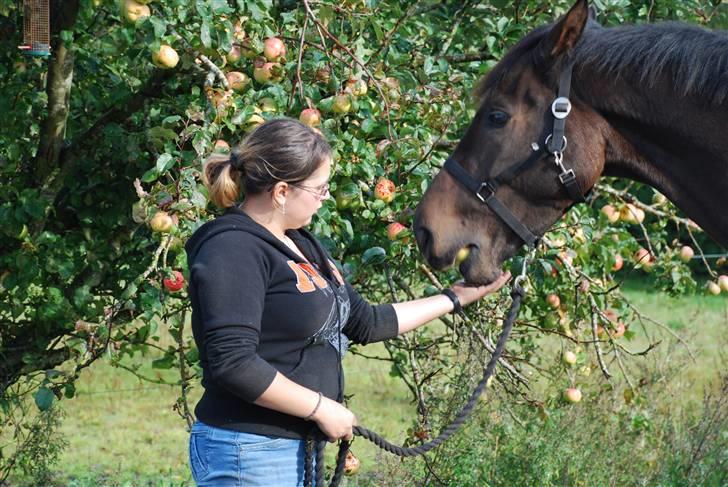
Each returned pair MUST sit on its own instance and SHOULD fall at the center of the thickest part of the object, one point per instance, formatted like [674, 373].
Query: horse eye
[498, 119]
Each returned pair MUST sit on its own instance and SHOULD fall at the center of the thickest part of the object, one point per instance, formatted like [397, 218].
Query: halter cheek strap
[485, 191]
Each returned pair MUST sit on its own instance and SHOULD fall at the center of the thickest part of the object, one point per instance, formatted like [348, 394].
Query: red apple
[237, 81]
[572, 395]
[175, 283]
[384, 190]
[351, 464]
[553, 300]
[618, 263]
[723, 282]
[310, 117]
[234, 54]
[611, 213]
[268, 73]
[221, 146]
[161, 222]
[686, 253]
[619, 330]
[393, 229]
[274, 48]
[644, 259]
[166, 57]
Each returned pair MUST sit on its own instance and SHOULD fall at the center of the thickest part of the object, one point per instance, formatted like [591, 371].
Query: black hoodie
[258, 308]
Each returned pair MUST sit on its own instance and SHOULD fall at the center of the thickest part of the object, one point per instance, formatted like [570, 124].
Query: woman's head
[279, 150]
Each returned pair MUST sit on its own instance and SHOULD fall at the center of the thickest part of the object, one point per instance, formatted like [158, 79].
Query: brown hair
[282, 149]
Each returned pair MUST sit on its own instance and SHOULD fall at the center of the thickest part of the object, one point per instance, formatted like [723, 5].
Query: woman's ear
[279, 193]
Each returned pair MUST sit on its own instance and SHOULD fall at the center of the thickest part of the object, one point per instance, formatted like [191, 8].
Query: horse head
[508, 137]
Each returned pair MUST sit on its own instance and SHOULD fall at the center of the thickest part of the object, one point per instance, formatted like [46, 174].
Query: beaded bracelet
[320, 397]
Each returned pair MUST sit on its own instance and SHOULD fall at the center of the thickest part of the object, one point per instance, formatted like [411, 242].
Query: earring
[283, 208]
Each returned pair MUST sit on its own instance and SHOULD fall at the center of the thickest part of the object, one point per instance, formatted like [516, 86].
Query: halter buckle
[561, 107]
[567, 177]
[491, 192]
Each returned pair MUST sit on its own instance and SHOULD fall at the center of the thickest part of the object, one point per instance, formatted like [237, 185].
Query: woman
[271, 315]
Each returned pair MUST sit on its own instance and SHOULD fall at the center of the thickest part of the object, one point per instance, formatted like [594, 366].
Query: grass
[121, 431]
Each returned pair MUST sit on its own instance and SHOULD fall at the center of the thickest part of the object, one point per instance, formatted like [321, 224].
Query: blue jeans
[221, 457]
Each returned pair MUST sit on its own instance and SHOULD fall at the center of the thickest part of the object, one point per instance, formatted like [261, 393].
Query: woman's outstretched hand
[468, 294]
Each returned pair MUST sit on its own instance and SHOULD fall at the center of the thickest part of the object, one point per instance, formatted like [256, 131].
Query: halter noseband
[485, 191]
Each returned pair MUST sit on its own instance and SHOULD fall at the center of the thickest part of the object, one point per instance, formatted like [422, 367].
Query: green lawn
[121, 431]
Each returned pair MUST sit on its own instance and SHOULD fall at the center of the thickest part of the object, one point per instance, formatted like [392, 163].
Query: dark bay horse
[648, 102]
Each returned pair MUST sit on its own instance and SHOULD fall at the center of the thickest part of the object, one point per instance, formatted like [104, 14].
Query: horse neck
[676, 144]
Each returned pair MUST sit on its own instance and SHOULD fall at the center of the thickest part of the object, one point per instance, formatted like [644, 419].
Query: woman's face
[305, 198]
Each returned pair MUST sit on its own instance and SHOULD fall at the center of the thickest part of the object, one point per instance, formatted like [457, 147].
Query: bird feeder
[36, 28]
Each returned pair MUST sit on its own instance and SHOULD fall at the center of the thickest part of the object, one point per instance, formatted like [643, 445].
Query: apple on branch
[274, 49]
[161, 222]
[166, 57]
[175, 283]
[342, 103]
[553, 300]
[713, 288]
[132, 11]
[310, 117]
[265, 73]
[568, 357]
[723, 282]
[686, 253]
[572, 395]
[221, 147]
[394, 229]
[385, 190]
[237, 81]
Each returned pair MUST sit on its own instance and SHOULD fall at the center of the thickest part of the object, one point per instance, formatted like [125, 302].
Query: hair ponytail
[222, 180]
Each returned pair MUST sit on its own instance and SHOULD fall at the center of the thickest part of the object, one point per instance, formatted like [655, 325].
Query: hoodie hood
[234, 219]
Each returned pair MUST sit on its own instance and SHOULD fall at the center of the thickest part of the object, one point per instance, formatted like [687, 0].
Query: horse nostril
[424, 239]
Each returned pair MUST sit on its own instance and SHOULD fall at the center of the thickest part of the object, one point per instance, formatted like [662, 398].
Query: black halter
[555, 144]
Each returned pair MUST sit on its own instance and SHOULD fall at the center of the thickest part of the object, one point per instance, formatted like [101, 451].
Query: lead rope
[517, 294]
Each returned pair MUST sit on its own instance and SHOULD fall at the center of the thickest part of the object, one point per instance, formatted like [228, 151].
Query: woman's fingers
[497, 284]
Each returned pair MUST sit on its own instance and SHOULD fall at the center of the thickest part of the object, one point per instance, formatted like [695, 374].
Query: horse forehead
[522, 86]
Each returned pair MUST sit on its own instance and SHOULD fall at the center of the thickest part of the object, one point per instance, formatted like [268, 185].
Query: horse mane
[696, 59]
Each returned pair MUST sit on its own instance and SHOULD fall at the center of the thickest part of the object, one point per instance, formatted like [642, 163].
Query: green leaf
[150, 176]
[44, 398]
[159, 24]
[162, 133]
[166, 362]
[374, 255]
[164, 163]
[205, 35]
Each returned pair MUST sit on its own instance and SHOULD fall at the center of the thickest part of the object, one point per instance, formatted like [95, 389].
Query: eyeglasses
[320, 192]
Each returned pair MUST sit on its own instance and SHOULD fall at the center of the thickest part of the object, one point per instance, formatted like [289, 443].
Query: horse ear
[567, 32]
